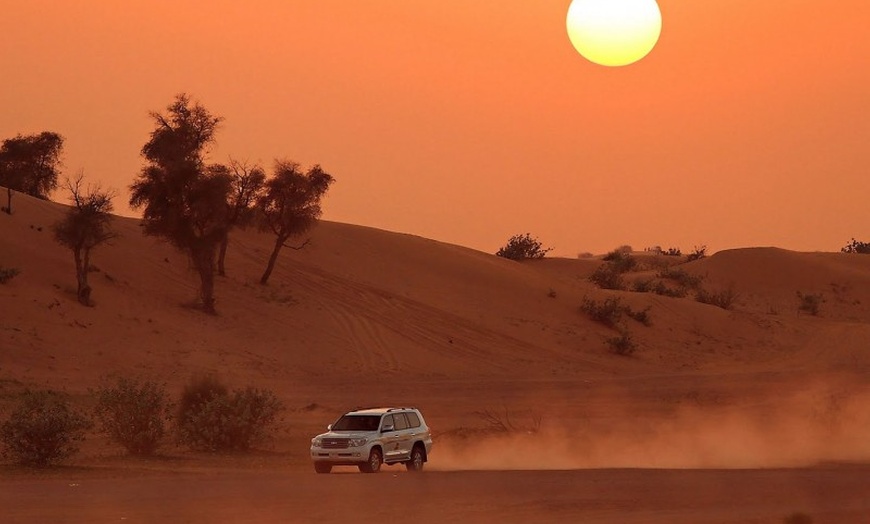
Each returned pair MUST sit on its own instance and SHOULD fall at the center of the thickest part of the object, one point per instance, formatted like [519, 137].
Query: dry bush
[213, 419]
[522, 247]
[608, 312]
[622, 345]
[133, 414]
[611, 310]
[7, 274]
[621, 261]
[606, 278]
[810, 303]
[42, 430]
[723, 299]
[697, 254]
[681, 277]
[856, 246]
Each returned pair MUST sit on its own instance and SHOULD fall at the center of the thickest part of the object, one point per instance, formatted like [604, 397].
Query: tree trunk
[204, 262]
[83, 291]
[8, 207]
[225, 241]
[279, 243]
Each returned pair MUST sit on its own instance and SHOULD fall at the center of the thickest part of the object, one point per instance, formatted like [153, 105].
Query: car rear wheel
[374, 463]
[417, 459]
[322, 467]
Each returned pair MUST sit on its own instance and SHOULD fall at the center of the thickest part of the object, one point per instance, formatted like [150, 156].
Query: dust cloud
[816, 425]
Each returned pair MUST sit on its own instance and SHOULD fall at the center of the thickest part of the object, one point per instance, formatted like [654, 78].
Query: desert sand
[743, 415]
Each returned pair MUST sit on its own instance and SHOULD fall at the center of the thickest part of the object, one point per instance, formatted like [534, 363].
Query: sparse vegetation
[623, 344]
[184, 201]
[611, 310]
[681, 277]
[290, 205]
[723, 299]
[522, 247]
[608, 312]
[42, 430]
[620, 260]
[643, 285]
[246, 185]
[856, 246]
[8, 273]
[133, 413]
[641, 316]
[211, 418]
[673, 252]
[606, 277]
[697, 254]
[810, 303]
[86, 225]
[30, 164]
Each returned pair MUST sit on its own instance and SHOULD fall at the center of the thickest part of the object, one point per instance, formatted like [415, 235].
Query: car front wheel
[374, 463]
[322, 467]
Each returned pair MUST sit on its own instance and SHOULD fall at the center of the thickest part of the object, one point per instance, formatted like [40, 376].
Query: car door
[405, 440]
[390, 439]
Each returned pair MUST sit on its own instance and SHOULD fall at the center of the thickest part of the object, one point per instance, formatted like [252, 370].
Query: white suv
[368, 438]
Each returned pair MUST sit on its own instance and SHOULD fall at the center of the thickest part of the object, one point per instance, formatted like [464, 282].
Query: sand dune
[364, 316]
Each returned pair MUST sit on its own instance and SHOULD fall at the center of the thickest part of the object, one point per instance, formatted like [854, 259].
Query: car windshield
[357, 423]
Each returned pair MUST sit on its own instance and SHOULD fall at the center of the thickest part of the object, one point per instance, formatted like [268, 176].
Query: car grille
[336, 443]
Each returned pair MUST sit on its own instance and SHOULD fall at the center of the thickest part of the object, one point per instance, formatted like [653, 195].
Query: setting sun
[614, 32]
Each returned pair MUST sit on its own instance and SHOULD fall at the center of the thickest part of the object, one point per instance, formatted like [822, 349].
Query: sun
[614, 32]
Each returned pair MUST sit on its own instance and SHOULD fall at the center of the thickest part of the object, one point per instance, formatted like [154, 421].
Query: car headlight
[357, 442]
[317, 442]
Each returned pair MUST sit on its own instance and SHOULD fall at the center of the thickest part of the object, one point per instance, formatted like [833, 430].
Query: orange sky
[470, 121]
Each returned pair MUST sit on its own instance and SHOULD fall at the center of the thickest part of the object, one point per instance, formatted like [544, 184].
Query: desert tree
[30, 164]
[290, 205]
[184, 200]
[86, 225]
[246, 183]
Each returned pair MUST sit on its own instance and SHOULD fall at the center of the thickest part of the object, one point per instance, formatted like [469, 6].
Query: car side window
[401, 421]
[413, 419]
[387, 421]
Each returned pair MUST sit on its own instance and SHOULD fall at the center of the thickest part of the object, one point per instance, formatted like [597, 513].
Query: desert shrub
[522, 247]
[620, 261]
[643, 285]
[681, 277]
[213, 419]
[133, 414]
[723, 299]
[856, 246]
[809, 303]
[622, 345]
[673, 252]
[697, 254]
[7, 274]
[43, 429]
[661, 289]
[606, 278]
[608, 312]
[641, 316]
[798, 518]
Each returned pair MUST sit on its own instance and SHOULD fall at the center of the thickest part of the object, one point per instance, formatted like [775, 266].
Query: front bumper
[339, 457]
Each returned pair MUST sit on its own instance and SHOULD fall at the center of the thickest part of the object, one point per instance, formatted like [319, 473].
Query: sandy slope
[364, 317]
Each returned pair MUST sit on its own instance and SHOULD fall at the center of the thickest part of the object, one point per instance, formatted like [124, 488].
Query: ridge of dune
[365, 302]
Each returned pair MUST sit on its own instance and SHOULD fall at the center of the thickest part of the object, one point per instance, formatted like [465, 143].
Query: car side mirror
[329, 427]
[388, 428]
